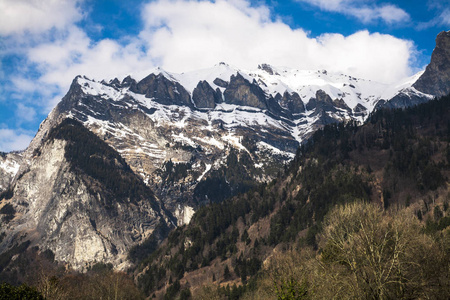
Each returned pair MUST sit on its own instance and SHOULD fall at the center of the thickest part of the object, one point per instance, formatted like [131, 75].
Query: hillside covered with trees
[361, 212]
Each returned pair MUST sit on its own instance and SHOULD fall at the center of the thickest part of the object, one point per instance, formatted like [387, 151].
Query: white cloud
[442, 19]
[186, 35]
[36, 16]
[182, 35]
[25, 113]
[365, 13]
[14, 139]
[76, 54]
[441, 9]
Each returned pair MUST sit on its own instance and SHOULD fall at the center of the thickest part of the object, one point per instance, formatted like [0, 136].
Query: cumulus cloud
[36, 16]
[365, 13]
[185, 35]
[76, 54]
[26, 113]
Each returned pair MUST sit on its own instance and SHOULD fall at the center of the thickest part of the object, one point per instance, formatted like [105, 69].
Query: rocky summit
[435, 80]
[118, 161]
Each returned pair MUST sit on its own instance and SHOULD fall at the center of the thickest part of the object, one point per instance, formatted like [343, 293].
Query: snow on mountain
[357, 97]
[277, 80]
[195, 120]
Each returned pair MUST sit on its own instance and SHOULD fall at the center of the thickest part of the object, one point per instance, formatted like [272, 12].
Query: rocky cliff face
[81, 201]
[436, 78]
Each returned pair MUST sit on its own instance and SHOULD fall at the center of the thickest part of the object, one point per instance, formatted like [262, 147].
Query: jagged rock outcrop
[436, 78]
[322, 102]
[204, 95]
[163, 90]
[340, 103]
[291, 102]
[404, 99]
[221, 83]
[268, 68]
[360, 110]
[241, 92]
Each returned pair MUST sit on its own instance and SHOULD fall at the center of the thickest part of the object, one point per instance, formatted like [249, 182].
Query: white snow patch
[92, 87]
[184, 140]
[184, 214]
[235, 141]
[211, 141]
[10, 166]
[274, 150]
[208, 167]
[259, 166]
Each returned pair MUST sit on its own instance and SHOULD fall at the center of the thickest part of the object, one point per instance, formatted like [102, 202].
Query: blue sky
[44, 44]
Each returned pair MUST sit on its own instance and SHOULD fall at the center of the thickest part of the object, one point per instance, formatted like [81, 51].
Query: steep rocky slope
[81, 200]
[435, 80]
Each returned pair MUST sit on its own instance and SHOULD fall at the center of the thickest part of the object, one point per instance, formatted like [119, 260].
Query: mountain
[79, 198]
[435, 79]
[141, 155]
[279, 238]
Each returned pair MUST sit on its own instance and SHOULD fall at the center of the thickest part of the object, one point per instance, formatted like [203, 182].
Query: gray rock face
[163, 90]
[436, 78]
[360, 110]
[339, 103]
[204, 96]
[404, 99]
[291, 102]
[60, 206]
[241, 92]
[221, 83]
[267, 68]
[10, 164]
[322, 102]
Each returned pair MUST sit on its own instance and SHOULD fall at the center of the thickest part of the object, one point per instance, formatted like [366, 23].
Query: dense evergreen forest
[398, 161]
[362, 212]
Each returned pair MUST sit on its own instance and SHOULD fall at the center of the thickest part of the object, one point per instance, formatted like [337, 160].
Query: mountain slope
[399, 158]
[81, 200]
